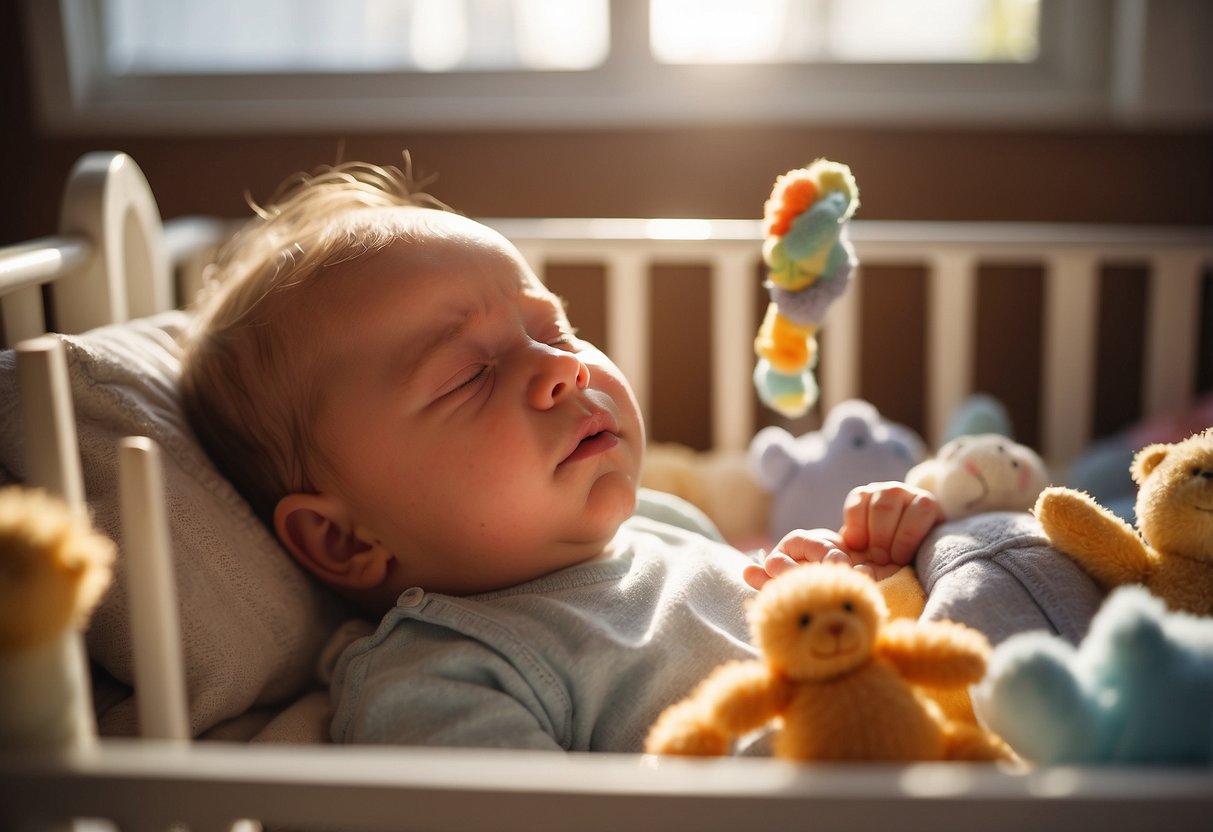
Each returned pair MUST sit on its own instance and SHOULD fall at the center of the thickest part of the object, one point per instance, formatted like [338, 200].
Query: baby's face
[467, 429]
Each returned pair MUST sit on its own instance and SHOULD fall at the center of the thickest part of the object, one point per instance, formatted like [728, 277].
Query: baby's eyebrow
[431, 339]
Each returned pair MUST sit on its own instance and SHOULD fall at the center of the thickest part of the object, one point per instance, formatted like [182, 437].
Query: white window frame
[1100, 62]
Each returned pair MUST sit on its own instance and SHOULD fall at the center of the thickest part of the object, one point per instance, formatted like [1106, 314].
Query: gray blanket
[996, 572]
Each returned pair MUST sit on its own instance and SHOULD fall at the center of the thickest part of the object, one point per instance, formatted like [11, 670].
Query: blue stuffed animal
[1139, 689]
[809, 476]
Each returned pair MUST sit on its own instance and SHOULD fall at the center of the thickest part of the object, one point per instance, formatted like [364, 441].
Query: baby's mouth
[592, 445]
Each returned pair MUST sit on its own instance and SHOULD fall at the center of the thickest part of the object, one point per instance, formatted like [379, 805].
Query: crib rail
[147, 785]
[112, 260]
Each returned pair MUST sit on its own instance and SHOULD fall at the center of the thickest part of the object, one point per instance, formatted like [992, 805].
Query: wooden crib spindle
[155, 626]
[51, 453]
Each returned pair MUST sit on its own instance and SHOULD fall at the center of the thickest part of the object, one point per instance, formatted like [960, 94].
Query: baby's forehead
[434, 248]
[433, 225]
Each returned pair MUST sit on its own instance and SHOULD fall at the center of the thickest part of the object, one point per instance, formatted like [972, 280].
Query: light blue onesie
[586, 658]
[583, 659]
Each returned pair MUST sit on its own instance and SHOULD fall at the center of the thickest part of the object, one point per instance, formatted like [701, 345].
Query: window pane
[792, 31]
[249, 36]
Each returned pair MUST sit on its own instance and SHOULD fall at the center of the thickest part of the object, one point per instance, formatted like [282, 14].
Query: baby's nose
[556, 373]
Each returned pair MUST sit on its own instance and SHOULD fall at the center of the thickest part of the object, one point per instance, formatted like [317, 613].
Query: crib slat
[24, 314]
[155, 626]
[952, 299]
[838, 362]
[1171, 331]
[732, 358]
[627, 319]
[1071, 306]
[51, 455]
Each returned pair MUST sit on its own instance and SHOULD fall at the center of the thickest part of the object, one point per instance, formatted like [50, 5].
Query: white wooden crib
[113, 261]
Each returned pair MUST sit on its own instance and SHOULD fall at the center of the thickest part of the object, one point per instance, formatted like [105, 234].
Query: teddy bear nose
[835, 628]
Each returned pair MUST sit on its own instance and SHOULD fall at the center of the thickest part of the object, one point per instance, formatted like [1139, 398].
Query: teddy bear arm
[1105, 546]
[734, 699]
[741, 697]
[939, 654]
[683, 729]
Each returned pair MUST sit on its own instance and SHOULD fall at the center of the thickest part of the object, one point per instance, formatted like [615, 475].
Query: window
[208, 37]
[250, 65]
[876, 31]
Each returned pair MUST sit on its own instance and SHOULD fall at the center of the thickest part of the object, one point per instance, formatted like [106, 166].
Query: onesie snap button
[411, 597]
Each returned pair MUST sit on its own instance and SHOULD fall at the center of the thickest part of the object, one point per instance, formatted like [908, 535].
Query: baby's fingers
[888, 520]
[869, 520]
[811, 545]
[919, 517]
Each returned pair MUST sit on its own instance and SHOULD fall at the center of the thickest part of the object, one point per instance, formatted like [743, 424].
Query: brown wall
[943, 174]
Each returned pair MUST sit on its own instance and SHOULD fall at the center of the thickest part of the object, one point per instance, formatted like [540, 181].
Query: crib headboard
[113, 260]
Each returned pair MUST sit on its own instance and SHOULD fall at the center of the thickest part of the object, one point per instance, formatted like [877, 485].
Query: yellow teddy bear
[54, 568]
[841, 677]
[1173, 554]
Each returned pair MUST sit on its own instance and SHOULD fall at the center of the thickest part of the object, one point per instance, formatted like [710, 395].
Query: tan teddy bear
[1173, 554]
[841, 677]
[54, 568]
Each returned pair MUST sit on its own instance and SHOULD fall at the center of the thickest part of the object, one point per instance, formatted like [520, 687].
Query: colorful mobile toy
[809, 261]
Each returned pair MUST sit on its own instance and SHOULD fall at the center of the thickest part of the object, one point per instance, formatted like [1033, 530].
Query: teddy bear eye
[847, 606]
[805, 618]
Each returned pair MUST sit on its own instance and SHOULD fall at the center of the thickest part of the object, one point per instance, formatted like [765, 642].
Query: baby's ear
[319, 532]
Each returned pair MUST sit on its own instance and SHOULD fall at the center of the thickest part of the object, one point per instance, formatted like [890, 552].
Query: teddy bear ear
[1146, 460]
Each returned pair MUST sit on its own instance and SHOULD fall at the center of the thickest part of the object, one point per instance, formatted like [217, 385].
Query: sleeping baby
[408, 407]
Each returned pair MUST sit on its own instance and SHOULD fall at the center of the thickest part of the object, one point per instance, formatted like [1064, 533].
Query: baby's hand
[883, 525]
[797, 547]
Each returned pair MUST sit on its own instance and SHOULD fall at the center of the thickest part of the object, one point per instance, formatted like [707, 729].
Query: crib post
[155, 625]
[107, 201]
[951, 330]
[1071, 304]
[627, 313]
[1172, 335]
[732, 359]
[52, 457]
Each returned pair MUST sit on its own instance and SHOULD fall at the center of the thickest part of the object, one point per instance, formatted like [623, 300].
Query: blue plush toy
[810, 475]
[1139, 689]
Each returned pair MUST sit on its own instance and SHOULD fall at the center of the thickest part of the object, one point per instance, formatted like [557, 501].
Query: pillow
[252, 621]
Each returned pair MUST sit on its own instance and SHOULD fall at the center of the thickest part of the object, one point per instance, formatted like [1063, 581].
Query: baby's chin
[611, 501]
